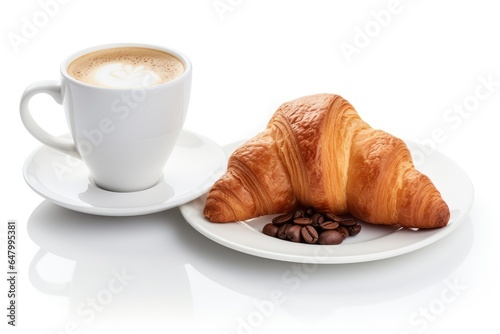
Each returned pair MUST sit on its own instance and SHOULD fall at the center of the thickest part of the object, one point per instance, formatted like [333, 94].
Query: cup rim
[183, 58]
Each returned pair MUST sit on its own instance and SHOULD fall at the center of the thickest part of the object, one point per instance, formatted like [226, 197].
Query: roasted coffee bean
[298, 214]
[328, 225]
[303, 221]
[354, 230]
[270, 229]
[309, 212]
[344, 231]
[331, 237]
[332, 217]
[283, 230]
[348, 223]
[282, 219]
[293, 233]
[309, 234]
[310, 226]
[317, 219]
[347, 216]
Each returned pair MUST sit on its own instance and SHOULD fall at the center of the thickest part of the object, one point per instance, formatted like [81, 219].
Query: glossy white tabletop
[426, 72]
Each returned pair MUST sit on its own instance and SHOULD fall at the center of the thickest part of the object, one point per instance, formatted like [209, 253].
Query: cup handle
[52, 88]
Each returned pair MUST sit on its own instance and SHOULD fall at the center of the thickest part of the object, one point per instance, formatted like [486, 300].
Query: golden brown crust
[316, 151]
[255, 184]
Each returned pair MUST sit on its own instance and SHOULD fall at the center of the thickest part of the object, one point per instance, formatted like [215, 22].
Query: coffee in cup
[126, 67]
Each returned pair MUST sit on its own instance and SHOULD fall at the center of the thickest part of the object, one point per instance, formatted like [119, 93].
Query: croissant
[317, 152]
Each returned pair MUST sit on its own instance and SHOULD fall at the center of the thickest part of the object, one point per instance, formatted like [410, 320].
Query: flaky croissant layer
[317, 152]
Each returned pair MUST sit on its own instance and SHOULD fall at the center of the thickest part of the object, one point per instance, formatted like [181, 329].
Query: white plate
[373, 243]
[194, 165]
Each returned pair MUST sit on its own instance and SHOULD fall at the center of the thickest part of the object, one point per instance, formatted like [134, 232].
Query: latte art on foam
[126, 67]
[125, 75]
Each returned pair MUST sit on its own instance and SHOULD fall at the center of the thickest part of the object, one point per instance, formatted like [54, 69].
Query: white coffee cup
[123, 134]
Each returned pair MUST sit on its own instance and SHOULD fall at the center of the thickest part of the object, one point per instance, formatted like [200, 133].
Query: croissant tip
[439, 218]
[214, 211]
[442, 217]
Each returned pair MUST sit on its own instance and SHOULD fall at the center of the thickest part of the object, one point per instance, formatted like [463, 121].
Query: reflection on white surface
[156, 268]
[123, 267]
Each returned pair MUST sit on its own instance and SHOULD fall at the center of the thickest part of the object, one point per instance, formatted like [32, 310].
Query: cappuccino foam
[126, 67]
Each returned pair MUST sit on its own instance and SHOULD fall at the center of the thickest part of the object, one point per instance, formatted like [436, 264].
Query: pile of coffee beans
[309, 226]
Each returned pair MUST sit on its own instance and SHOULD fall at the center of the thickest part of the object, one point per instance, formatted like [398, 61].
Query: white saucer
[373, 243]
[193, 167]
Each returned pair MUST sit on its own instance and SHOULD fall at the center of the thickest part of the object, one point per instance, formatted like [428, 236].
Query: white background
[408, 69]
